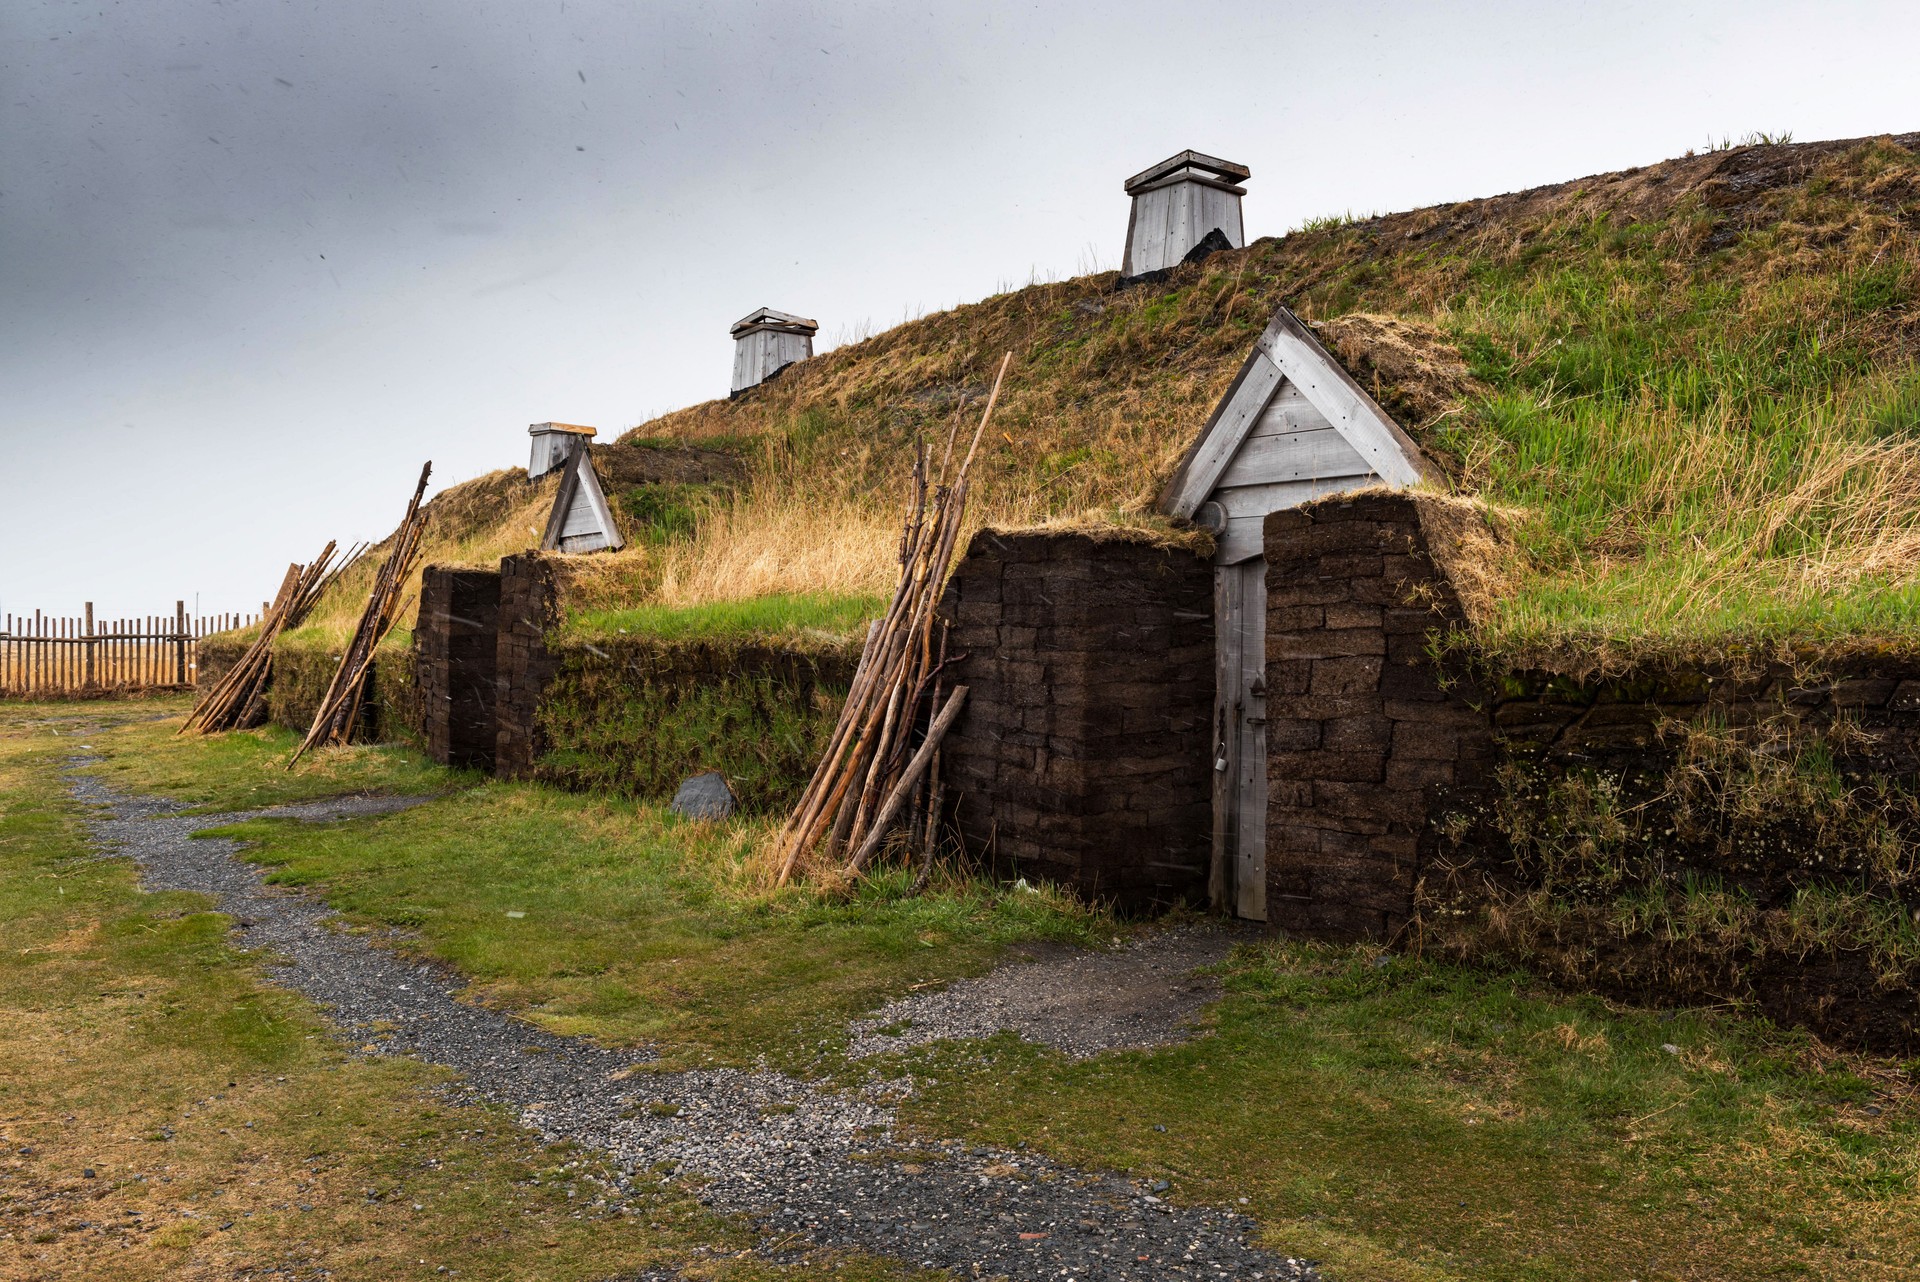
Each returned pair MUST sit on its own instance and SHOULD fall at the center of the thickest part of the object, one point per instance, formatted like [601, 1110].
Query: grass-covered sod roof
[1687, 394]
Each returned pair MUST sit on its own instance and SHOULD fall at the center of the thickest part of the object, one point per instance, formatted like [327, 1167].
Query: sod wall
[303, 668]
[1747, 832]
[637, 715]
[215, 655]
[628, 714]
[1082, 754]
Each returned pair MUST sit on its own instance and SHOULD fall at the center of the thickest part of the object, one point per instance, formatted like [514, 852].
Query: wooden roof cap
[1211, 166]
[767, 318]
[539, 429]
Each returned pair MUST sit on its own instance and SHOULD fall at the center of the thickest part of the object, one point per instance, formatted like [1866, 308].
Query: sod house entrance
[456, 641]
[1294, 426]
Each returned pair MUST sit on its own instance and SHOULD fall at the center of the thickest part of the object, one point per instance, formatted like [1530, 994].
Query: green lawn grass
[1405, 1120]
[244, 770]
[1395, 1117]
[773, 617]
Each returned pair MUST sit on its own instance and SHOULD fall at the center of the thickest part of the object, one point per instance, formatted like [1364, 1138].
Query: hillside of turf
[1687, 393]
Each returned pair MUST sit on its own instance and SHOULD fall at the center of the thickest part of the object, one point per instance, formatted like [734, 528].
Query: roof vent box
[1176, 204]
[766, 342]
[554, 444]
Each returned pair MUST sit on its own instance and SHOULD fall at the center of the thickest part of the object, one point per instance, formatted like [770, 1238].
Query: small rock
[1669, 1048]
[1159, 1186]
[88, 1173]
[705, 796]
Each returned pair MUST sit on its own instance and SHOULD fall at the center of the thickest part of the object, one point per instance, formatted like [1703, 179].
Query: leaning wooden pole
[873, 760]
[238, 699]
[334, 720]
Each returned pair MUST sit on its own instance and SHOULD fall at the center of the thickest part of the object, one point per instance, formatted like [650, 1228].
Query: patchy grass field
[1396, 1118]
[1415, 1122]
[164, 1114]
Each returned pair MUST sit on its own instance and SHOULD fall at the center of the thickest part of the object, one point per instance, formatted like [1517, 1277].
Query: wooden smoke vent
[1177, 204]
[554, 444]
[766, 342]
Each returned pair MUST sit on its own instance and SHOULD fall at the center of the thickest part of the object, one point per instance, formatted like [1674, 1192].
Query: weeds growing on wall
[1730, 850]
[812, 621]
[303, 666]
[637, 715]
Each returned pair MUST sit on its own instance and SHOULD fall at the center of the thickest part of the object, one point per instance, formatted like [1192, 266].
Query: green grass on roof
[816, 614]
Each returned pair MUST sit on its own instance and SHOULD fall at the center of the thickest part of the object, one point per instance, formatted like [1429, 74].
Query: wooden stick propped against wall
[340, 709]
[869, 767]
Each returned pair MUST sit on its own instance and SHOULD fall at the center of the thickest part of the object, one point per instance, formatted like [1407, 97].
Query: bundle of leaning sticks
[340, 709]
[897, 709]
[238, 700]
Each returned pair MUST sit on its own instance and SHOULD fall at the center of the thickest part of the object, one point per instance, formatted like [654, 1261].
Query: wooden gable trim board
[581, 519]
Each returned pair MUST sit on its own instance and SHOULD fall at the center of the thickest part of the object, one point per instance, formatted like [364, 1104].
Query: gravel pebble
[811, 1165]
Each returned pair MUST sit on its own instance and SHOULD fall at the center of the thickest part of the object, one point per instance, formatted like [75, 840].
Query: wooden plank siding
[581, 519]
[1169, 219]
[764, 349]
[1238, 879]
[46, 655]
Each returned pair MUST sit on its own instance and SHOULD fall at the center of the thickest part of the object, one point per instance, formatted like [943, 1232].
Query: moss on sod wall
[1745, 831]
[215, 654]
[637, 715]
[1700, 836]
[303, 667]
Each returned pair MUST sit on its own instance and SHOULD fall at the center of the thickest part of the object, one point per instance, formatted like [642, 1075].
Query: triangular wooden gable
[1294, 426]
[581, 520]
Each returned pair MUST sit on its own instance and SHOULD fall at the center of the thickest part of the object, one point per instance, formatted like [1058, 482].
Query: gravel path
[810, 1164]
[1082, 1003]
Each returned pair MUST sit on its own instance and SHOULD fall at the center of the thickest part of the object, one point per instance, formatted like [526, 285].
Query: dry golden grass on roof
[1688, 392]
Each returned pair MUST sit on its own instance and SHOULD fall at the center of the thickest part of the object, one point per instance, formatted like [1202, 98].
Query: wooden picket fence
[47, 655]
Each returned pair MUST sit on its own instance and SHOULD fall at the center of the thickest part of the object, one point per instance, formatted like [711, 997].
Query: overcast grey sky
[259, 259]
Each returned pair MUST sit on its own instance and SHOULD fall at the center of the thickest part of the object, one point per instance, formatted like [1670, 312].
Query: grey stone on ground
[705, 796]
[1141, 995]
[813, 1166]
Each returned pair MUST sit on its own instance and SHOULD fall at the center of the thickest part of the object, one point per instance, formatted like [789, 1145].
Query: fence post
[90, 682]
[180, 642]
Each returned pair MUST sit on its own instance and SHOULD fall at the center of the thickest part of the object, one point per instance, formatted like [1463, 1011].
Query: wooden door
[1239, 875]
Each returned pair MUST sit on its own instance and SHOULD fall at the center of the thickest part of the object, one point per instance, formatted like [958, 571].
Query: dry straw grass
[772, 543]
[1686, 393]
[473, 523]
